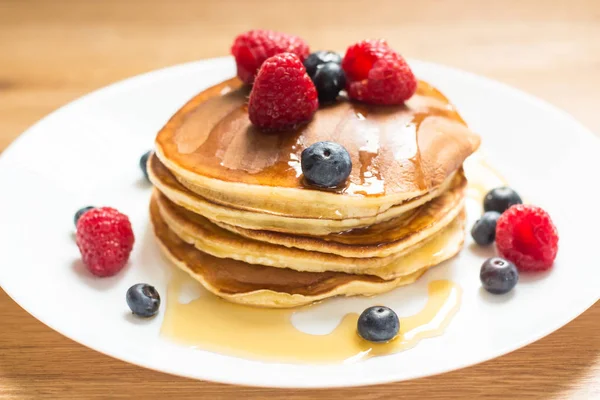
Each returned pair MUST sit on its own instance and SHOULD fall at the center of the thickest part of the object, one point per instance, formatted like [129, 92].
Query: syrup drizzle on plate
[210, 323]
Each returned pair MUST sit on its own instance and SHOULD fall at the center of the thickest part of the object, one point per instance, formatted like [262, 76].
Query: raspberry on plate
[105, 240]
[377, 74]
[252, 48]
[283, 95]
[527, 236]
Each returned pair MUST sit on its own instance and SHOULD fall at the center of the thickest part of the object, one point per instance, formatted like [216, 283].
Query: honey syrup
[210, 323]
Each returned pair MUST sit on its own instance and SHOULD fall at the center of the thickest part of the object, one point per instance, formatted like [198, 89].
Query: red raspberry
[283, 95]
[377, 74]
[252, 48]
[526, 236]
[105, 240]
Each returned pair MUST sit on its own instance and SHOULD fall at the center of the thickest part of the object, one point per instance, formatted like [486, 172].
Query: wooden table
[54, 51]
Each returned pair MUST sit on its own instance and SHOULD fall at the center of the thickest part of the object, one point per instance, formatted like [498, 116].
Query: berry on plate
[498, 276]
[252, 48]
[527, 236]
[319, 58]
[80, 212]
[325, 164]
[105, 240]
[377, 74]
[144, 163]
[143, 300]
[378, 324]
[329, 80]
[484, 229]
[500, 199]
[283, 96]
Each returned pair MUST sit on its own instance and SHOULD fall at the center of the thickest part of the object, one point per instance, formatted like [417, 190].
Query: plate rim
[241, 380]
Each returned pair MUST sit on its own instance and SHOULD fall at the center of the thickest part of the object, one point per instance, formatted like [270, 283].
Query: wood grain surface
[52, 52]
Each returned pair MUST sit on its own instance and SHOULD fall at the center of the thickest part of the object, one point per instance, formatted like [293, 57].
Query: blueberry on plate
[501, 199]
[329, 79]
[498, 276]
[144, 163]
[378, 324]
[484, 230]
[80, 212]
[143, 300]
[326, 164]
[320, 57]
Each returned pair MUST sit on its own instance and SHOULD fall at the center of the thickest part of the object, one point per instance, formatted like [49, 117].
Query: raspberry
[105, 240]
[283, 95]
[377, 74]
[252, 48]
[526, 236]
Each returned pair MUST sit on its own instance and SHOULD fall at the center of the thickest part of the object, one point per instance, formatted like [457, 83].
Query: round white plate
[87, 153]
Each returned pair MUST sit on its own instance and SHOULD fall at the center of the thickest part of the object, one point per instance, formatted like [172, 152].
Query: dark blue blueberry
[320, 57]
[501, 199]
[498, 276]
[329, 80]
[144, 163]
[378, 324]
[81, 211]
[326, 164]
[484, 230]
[143, 300]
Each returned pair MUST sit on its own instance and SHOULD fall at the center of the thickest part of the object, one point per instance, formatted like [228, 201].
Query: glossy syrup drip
[416, 158]
[369, 180]
[210, 323]
[482, 178]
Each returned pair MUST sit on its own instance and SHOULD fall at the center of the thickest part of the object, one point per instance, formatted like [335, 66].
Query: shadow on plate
[496, 298]
[132, 318]
[92, 281]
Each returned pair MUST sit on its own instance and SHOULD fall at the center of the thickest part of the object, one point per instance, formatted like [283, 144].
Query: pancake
[264, 286]
[168, 185]
[380, 240]
[370, 247]
[211, 239]
[399, 153]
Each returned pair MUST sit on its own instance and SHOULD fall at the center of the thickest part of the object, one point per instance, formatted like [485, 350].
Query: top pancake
[398, 153]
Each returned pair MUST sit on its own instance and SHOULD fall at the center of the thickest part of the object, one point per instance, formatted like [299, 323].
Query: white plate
[87, 153]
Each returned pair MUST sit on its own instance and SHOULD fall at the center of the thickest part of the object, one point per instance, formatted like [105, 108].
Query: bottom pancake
[263, 286]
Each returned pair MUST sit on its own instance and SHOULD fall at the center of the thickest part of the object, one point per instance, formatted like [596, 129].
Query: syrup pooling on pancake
[394, 149]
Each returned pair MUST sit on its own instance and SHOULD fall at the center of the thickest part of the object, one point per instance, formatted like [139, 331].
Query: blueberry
[80, 212]
[143, 300]
[378, 324]
[498, 276]
[326, 164]
[501, 199]
[484, 230]
[320, 57]
[144, 163]
[329, 79]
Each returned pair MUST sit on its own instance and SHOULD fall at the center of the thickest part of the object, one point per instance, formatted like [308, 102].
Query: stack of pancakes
[231, 207]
